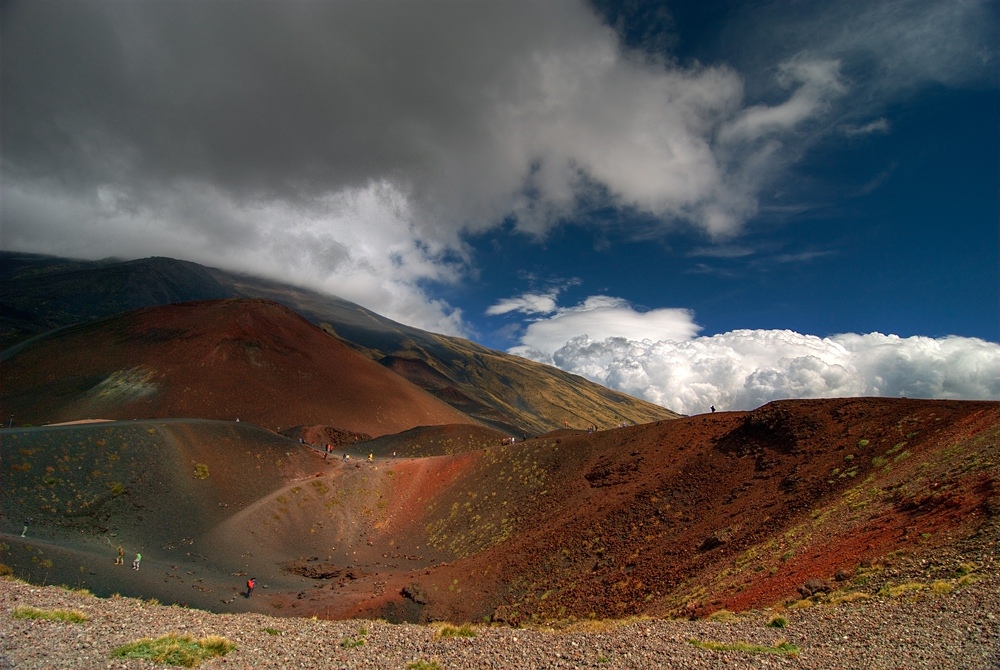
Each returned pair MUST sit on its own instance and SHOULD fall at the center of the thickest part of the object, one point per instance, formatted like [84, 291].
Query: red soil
[732, 510]
[252, 360]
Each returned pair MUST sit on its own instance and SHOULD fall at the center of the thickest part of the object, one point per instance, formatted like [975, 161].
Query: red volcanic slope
[731, 510]
[249, 359]
[728, 510]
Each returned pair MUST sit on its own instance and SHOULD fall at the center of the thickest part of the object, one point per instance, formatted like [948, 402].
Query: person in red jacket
[252, 582]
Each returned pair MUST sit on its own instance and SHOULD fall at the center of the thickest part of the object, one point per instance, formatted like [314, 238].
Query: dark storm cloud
[351, 145]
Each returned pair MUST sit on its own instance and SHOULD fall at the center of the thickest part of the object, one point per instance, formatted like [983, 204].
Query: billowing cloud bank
[655, 356]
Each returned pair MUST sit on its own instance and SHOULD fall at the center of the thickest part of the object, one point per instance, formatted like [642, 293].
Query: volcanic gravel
[960, 629]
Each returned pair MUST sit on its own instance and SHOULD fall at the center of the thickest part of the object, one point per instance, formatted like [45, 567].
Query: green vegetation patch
[423, 665]
[782, 647]
[465, 630]
[176, 650]
[72, 616]
[353, 641]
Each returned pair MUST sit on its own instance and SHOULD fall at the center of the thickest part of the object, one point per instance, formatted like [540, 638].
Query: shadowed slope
[248, 359]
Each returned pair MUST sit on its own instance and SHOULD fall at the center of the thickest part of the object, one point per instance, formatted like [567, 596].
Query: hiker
[135, 563]
[712, 408]
[252, 582]
[24, 532]
[120, 560]
[370, 458]
[329, 450]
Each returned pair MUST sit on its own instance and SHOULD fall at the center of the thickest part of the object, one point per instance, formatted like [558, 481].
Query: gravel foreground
[958, 630]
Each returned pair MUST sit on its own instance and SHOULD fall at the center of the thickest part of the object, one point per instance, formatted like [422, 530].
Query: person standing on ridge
[135, 563]
[329, 450]
[120, 560]
[252, 582]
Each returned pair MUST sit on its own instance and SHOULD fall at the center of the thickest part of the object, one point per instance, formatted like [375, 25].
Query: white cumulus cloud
[607, 341]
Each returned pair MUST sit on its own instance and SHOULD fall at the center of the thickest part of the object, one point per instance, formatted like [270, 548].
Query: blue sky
[697, 203]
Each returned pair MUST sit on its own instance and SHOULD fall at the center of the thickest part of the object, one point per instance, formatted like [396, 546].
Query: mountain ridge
[46, 293]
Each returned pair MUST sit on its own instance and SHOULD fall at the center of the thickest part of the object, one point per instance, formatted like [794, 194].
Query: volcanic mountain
[515, 395]
[796, 502]
[252, 360]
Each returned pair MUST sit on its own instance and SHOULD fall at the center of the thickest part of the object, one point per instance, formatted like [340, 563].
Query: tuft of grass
[73, 616]
[781, 647]
[354, 641]
[723, 615]
[777, 621]
[423, 665]
[941, 586]
[901, 589]
[173, 649]
[273, 631]
[847, 597]
[201, 471]
[465, 630]
[965, 580]
[964, 569]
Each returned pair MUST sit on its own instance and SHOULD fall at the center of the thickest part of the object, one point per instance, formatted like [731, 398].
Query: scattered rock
[814, 587]
[415, 593]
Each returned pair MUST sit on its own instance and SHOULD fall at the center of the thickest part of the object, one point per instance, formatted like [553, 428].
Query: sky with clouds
[715, 203]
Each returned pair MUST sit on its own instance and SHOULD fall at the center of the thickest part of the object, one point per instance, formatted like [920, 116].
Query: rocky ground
[924, 629]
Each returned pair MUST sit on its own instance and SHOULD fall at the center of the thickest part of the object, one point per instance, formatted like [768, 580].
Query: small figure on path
[712, 408]
[252, 582]
[370, 458]
[26, 522]
[120, 560]
[329, 450]
[135, 563]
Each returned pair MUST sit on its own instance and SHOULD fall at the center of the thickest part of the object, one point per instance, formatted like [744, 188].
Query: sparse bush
[777, 621]
[176, 650]
[201, 471]
[72, 616]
